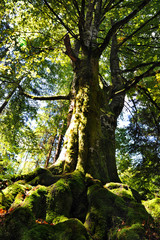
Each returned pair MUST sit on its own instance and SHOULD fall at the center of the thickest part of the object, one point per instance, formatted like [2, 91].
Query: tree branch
[136, 79]
[109, 7]
[42, 98]
[121, 23]
[69, 50]
[138, 66]
[138, 29]
[2, 107]
[60, 20]
[76, 6]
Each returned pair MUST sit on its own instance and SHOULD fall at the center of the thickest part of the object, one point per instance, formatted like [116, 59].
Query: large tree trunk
[89, 143]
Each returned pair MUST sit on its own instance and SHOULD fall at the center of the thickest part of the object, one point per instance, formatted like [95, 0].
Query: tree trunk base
[41, 205]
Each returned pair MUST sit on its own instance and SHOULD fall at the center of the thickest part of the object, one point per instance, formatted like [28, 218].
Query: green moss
[57, 169]
[59, 200]
[10, 193]
[100, 211]
[120, 206]
[70, 229]
[153, 207]
[2, 201]
[137, 214]
[1, 198]
[18, 200]
[59, 218]
[77, 185]
[17, 224]
[40, 232]
[36, 201]
[121, 190]
[42, 177]
[135, 232]
[123, 232]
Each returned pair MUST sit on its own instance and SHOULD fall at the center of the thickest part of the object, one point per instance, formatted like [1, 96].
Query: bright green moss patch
[18, 200]
[59, 218]
[153, 207]
[10, 193]
[121, 190]
[59, 200]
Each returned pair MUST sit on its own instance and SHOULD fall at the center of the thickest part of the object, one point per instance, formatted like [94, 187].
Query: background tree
[138, 148]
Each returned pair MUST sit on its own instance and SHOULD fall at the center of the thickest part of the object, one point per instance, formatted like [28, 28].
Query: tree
[138, 147]
[108, 44]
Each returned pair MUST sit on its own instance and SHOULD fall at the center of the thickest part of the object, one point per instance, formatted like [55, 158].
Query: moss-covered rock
[137, 214]
[121, 190]
[107, 206]
[67, 197]
[153, 208]
[77, 184]
[59, 200]
[71, 208]
[100, 210]
[10, 193]
[133, 232]
[68, 230]
[17, 224]
[36, 201]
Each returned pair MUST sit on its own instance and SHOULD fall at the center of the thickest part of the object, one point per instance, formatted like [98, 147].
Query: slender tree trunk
[50, 151]
[58, 149]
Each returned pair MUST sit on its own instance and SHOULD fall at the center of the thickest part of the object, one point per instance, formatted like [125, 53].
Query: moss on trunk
[89, 145]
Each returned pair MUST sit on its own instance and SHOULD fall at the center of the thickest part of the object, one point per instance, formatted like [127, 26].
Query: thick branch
[121, 23]
[69, 50]
[42, 98]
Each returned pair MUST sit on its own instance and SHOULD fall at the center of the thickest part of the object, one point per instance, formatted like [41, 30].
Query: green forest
[79, 119]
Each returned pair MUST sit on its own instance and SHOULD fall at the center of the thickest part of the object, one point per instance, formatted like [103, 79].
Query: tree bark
[89, 142]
